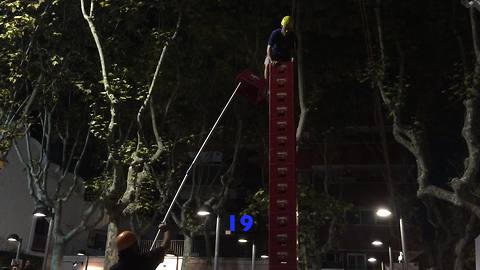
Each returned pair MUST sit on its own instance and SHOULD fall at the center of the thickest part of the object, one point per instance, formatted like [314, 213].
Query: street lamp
[204, 211]
[242, 240]
[372, 260]
[15, 238]
[377, 243]
[42, 211]
[83, 253]
[384, 212]
[264, 256]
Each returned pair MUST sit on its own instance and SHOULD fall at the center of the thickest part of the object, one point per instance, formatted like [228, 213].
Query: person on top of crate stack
[281, 44]
[129, 256]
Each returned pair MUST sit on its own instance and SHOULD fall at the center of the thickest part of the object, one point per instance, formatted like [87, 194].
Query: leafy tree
[21, 77]
[398, 84]
[136, 162]
[38, 103]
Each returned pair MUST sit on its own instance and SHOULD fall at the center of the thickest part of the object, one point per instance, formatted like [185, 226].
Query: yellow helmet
[287, 20]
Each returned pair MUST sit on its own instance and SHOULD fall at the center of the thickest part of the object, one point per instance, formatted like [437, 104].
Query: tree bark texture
[111, 252]
[57, 253]
[187, 251]
[464, 245]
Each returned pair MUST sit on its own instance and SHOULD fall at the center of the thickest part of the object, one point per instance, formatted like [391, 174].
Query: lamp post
[372, 260]
[41, 211]
[243, 240]
[385, 213]
[83, 253]
[15, 238]
[253, 256]
[206, 211]
[378, 243]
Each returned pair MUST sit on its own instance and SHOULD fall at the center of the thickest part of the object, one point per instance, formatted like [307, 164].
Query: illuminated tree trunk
[111, 252]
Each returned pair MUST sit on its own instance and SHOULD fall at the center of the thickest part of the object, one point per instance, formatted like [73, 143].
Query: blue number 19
[245, 220]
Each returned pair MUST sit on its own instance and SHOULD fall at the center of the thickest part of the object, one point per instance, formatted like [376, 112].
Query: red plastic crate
[282, 169]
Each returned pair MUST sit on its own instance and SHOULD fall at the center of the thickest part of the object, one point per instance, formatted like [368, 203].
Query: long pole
[404, 248]
[194, 161]
[253, 256]
[390, 257]
[217, 243]
[47, 245]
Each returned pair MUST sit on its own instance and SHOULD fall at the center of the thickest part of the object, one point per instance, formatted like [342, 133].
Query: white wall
[16, 205]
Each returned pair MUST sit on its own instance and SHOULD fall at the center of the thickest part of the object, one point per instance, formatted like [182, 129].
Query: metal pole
[390, 257]
[383, 267]
[86, 264]
[18, 249]
[194, 161]
[217, 243]
[47, 245]
[253, 256]
[404, 247]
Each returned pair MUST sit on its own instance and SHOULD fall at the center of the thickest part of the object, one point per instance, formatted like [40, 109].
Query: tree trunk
[300, 79]
[464, 244]
[303, 263]
[187, 251]
[208, 247]
[57, 254]
[111, 254]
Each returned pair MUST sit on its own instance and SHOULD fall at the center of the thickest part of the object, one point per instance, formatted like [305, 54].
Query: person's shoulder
[275, 34]
[277, 31]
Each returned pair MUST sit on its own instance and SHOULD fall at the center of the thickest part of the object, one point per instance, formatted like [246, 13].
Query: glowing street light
[14, 238]
[372, 260]
[205, 210]
[383, 212]
[40, 211]
[83, 253]
[264, 256]
[203, 213]
[242, 240]
[377, 243]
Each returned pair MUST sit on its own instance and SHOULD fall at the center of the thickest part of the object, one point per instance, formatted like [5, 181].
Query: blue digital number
[246, 221]
[232, 223]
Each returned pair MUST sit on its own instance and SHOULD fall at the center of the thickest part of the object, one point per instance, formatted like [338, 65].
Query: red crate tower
[282, 241]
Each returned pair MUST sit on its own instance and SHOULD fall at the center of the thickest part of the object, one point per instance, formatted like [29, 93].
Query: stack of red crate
[282, 188]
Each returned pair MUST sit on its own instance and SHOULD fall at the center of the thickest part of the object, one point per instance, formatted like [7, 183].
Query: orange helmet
[125, 240]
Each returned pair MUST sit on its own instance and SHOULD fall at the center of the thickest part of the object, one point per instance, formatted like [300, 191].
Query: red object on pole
[253, 86]
[282, 240]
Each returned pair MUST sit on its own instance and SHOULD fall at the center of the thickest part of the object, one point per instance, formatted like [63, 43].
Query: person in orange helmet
[129, 256]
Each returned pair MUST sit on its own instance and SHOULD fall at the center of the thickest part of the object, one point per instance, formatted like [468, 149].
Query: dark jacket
[131, 259]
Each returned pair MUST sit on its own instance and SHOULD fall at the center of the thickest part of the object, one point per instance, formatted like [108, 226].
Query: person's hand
[163, 227]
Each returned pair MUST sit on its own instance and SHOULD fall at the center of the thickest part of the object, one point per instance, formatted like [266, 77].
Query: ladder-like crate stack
[282, 242]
